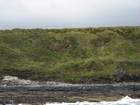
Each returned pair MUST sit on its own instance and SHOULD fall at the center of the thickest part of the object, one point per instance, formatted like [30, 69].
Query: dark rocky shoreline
[26, 91]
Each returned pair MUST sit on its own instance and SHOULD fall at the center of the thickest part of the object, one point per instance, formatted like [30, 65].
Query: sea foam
[124, 101]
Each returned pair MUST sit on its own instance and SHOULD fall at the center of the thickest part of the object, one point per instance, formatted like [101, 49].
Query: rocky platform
[14, 90]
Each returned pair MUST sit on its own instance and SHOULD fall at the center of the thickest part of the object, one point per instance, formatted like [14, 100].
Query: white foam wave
[124, 101]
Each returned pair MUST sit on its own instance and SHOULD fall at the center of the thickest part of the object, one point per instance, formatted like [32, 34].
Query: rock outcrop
[119, 74]
[20, 90]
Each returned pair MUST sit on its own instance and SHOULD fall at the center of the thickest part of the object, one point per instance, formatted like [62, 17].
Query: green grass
[70, 55]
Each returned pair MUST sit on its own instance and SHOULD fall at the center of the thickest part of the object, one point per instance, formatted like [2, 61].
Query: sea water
[124, 101]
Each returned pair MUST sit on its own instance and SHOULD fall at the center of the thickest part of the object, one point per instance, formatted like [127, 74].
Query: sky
[48, 14]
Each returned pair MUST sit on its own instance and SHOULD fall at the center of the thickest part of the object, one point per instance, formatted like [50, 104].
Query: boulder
[119, 74]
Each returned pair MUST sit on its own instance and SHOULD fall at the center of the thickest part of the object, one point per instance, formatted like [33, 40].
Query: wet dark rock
[33, 91]
[71, 89]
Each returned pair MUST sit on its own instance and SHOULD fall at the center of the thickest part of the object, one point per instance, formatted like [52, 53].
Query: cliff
[82, 55]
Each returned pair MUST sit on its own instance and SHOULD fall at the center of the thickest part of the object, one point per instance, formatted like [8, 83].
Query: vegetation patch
[78, 55]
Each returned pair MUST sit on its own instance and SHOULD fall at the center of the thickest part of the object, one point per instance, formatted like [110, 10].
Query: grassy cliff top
[82, 55]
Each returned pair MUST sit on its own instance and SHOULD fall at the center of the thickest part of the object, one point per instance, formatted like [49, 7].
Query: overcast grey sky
[68, 13]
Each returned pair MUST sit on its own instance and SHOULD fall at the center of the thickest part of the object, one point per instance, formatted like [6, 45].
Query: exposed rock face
[15, 81]
[119, 74]
[26, 91]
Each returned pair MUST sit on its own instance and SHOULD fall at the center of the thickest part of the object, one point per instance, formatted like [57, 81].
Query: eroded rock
[119, 74]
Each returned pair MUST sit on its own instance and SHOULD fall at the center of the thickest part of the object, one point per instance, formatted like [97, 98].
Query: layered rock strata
[17, 90]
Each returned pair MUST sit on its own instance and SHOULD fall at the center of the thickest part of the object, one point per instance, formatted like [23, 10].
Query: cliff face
[13, 89]
[90, 55]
